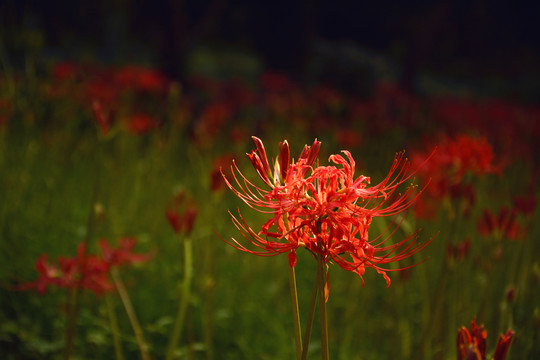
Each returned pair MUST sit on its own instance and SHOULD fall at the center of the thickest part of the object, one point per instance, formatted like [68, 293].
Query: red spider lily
[502, 345]
[504, 224]
[455, 157]
[48, 275]
[182, 220]
[140, 78]
[86, 271]
[102, 120]
[459, 251]
[141, 123]
[472, 345]
[324, 209]
[65, 70]
[121, 255]
[525, 204]
[216, 180]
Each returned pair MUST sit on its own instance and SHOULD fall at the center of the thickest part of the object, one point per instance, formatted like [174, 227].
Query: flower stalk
[119, 354]
[311, 315]
[322, 303]
[184, 299]
[328, 211]
[130, 311]
[296, 315]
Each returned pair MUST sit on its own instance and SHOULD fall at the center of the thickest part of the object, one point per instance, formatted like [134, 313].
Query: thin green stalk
[296, 315]
[322, 302]
[114, 329]
[126, 301]
[75, 298]
[209, 292]
[70, 323]
[311, 315]
[184, 299]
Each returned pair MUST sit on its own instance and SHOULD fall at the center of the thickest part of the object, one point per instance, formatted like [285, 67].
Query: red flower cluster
[471, 345]
[504, 224]
[454, 158]
[324, 209]
[90, 272]
[182, 213]
[141, 123]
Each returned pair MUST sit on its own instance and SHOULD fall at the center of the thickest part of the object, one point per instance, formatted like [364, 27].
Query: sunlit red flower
[325, 209]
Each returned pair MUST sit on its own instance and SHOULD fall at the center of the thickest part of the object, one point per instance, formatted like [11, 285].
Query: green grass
[55, 169]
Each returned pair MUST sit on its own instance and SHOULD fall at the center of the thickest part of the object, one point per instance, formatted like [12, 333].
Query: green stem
[296, 315]
[70, 322]
[311, 315]
[322, 302]
[75, 298]
[184, 299]
[114, 329]
[126, 301]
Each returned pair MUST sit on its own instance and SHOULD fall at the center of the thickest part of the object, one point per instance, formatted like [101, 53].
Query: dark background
[491, 46]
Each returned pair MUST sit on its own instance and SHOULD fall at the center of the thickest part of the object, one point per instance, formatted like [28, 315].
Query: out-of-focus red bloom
[459, 251]
[64, 70]
[86, 271]
[48, 275]
[503, 344]
[211, 121]
[6, 109]
[123, 254]
[525, 204]
[140, 123]
[504, 224]
[140, 78]
[472, 345]
[182, 214]
[453, 159]
[271, 81]
[102, 120]
[92, 272]
[216, 180]
[323, 208]
[348, 137]
[101, 89]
